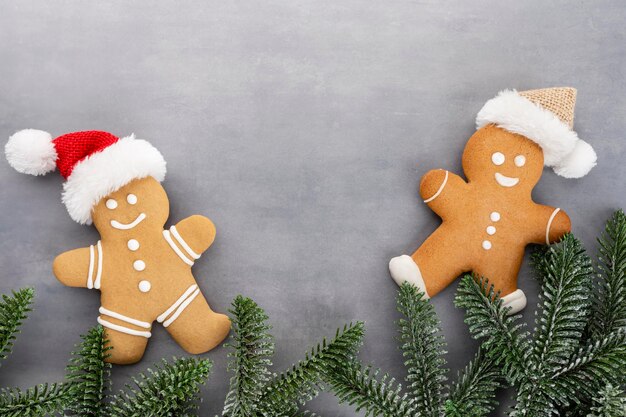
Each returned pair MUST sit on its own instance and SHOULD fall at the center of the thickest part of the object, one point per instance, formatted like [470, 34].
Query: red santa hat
[94, 164]
[545, 116]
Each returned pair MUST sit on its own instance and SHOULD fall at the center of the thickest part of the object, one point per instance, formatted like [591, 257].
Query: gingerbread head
[489, 219]
[142, 271]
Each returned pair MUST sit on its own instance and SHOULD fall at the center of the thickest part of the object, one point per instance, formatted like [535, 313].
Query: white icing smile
[134, 223]
[505, 181]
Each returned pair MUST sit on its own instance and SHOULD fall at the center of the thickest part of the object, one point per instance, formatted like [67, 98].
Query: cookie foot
[404, 269]
[516, 300]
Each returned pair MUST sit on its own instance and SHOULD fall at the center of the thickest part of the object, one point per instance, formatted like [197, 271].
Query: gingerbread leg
[503, 276]
[128, 341]
[195, 327]
[439, 260]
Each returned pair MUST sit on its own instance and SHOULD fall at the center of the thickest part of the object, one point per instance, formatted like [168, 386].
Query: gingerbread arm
[79, 267]
[439, 188]
[548, 224]
[193, 235]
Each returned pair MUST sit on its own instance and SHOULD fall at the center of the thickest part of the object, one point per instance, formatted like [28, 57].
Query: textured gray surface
[302, 129]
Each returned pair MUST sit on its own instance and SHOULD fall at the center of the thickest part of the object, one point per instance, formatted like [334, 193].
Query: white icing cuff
[441, 187]
[404, 269]
[552, 216]
[182, 243]
[181, 255]
[178, 302]
[182, 308]
[123, 329]
[96, 284]
[122, 317]
[516, 300]
[90, 273]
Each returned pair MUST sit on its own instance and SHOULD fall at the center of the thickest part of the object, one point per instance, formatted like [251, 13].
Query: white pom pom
[577, 163]
[31, 152]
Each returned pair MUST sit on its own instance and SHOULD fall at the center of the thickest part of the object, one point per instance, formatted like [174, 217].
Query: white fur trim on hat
[562, 149]
[107, 171]
[31, 151]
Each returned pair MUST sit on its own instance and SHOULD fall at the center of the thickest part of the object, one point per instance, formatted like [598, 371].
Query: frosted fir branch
[423, 347]
[13, 310]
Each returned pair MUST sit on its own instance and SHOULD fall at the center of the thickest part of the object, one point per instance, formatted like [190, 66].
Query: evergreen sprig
[474, 392]
[168, 390]
[423, 348]
[13, 310]
[610, 402]
[609, 305]
[569, 359]
[40, 400]
[90, 375]
[250, 357]
[254, 391]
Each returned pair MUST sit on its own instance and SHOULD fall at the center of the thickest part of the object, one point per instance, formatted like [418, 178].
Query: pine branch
[283, 395]
[36, 401]
[252, 351]
[604, 360]
[362, 388]
[13, 309]
[167, 391]
[89, 374]
[565, 271]
[610, 402]
[423, 348]
[475, 390]
[501, 335]
[610, 303]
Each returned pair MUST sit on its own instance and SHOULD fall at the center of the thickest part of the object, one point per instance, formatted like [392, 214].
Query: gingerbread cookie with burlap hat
[142, 271]
[488, 220]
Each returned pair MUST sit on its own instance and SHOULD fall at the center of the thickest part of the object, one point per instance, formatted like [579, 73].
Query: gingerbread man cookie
[488, 220]
[142, 271]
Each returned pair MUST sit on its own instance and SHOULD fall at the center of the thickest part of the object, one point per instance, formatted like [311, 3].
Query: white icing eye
[497, 158]
[111, 204]
[520, 160]
[131, 198]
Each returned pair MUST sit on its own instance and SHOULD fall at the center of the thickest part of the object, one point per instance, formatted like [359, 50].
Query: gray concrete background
[301, 128]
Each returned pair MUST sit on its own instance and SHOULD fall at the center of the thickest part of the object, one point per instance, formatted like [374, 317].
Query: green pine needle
[423, 348]
[37, 401]
[501, 335]
[283, 395]
[610, 402]
[365, 390]
[89, 374]
[565, 272]
[167, 391]
[13, 310]
[610, 302]
[252, 350]
[475, 390]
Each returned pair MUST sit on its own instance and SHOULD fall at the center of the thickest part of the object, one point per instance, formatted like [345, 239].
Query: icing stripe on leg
[178, 302]
[123, 329]
[182, 308]
[122, 317]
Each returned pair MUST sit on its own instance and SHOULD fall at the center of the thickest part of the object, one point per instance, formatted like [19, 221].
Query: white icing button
[491, 230]
[133, 244]
[139, 265]
[486, 244]
[497, 158]
[494, 216]
[131, 198]
[144, 286]
[520, 160]
[111, 204]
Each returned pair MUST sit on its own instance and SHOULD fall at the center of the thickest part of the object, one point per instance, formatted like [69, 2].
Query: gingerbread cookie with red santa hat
[488, 220]
[143, 272]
